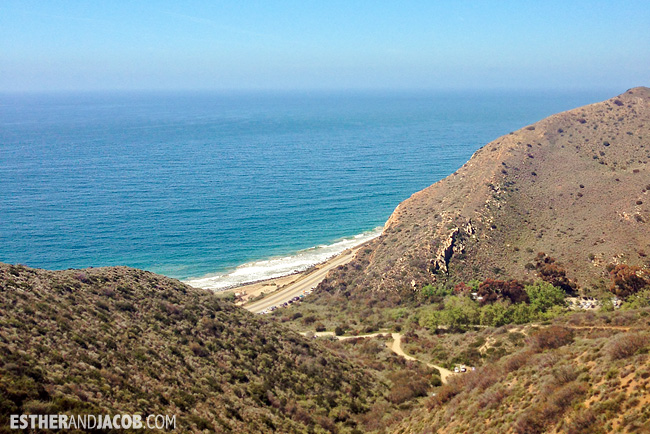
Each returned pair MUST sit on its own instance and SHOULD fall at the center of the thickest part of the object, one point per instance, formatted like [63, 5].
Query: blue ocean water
[196, 184]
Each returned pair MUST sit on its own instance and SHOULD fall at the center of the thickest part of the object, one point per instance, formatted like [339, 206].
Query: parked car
[457, 369]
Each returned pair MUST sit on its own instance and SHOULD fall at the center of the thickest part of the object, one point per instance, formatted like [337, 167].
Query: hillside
[574, 186]
[583, 374]
[120, 340]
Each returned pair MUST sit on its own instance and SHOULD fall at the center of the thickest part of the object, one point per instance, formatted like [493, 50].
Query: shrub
[564, 374]
[565, 395]
[125, 306]
[620, 347]
[551, 337]
[627, 280]
[481, 379]
[516, 361]
[532, 421]
[585, 422]
[406, 385]
[198, 350]
[82, 277]
[491, 399]
[444, 394]
[493, 290]
[551, 272]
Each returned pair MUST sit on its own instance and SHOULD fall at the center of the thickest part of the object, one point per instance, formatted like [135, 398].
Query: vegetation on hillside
[573, 185]
[119, 340]
[457, 272]
[586, 373]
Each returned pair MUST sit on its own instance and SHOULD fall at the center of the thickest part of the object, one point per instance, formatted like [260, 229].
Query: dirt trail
[396, 347]
[622, 328]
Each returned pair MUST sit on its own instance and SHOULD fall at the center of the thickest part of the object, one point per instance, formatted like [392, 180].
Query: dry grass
[572, 185]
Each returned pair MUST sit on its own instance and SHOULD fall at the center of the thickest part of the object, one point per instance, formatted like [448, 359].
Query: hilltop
[574, 186]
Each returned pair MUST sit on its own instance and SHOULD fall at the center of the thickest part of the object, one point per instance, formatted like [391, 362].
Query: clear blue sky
[83, 45]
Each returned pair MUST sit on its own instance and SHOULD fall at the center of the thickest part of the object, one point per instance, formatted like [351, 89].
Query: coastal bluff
[575, 186]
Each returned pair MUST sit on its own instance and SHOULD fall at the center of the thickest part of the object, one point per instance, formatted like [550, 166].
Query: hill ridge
[548, 186]
[118, 340]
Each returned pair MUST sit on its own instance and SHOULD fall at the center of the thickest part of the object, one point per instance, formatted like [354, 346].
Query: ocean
[219, 189]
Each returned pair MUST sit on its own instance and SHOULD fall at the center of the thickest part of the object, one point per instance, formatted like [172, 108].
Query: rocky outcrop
[453, 244]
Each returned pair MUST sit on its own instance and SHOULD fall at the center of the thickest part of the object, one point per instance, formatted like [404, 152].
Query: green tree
[543, 296]
[523, 313]
[430, 291]
[638, 300]
[496, 314]
[430, 320]
[460, 312]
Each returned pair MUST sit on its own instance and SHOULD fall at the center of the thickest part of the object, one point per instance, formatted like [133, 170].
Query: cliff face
[575, 185]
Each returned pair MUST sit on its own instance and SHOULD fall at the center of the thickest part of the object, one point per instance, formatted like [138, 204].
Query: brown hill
[574, 185]
[119, 340]
[583, 374]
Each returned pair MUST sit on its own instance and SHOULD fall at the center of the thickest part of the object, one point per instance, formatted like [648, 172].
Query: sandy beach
[245, 293]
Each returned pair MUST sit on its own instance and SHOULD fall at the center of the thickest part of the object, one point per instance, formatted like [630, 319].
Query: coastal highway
[304, 283]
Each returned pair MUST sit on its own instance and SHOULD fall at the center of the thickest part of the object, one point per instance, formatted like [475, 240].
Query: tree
[495, 314]
[543, 296]
[522, 313]
[459, 312]
[430, 320]
[492, 290]
[462, 289]
[430, 291]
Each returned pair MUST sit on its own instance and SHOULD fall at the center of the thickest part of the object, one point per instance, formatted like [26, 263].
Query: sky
[57, 45]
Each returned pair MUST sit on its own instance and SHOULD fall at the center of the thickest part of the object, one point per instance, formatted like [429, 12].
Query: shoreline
[281, 270]
[252, 293]
[304, 284]
[246, 293]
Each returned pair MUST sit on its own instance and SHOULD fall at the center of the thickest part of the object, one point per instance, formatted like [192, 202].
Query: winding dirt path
[395, 346]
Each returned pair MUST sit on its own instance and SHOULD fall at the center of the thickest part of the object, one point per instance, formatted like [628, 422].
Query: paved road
[304, 283]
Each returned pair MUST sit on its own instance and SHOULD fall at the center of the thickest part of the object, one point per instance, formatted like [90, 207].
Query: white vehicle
[456, 369]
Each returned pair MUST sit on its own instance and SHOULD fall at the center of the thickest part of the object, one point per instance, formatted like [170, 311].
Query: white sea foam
[282, 266]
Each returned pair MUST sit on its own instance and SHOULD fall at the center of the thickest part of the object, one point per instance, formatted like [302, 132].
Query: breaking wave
[280, 266]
